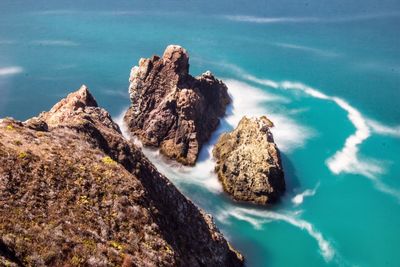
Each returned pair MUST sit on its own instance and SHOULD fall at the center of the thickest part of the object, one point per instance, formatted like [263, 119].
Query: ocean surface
[326, 72]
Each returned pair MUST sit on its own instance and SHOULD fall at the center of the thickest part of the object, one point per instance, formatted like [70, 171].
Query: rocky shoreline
[74, 192]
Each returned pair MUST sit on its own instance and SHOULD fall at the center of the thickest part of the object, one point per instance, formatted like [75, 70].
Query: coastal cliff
[74, 192]
[172, 110]
[248, 162]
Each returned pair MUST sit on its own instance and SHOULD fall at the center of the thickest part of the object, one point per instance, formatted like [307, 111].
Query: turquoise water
[328, 75]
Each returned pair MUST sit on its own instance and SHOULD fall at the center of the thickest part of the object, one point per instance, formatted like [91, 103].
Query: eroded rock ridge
[172, 110]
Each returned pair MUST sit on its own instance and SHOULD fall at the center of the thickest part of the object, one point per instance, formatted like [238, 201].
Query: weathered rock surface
[171, 109]
[248, 162]
[74, 192]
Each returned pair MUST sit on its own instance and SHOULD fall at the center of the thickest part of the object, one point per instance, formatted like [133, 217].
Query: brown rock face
[248, 162]
[171, 109]
[74, 192]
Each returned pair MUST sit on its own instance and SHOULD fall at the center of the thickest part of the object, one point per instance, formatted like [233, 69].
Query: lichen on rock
[172, 110]
[248, 162]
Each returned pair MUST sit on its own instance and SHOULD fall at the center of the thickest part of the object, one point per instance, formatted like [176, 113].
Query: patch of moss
[168, 249]
[89, 244]
[22, 155]
[108, 160]
[83, 200]
[76, 261]
[116, 245]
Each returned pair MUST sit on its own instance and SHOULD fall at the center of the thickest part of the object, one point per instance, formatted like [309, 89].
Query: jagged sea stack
[74, 192]
[248, 162]
[172, 110]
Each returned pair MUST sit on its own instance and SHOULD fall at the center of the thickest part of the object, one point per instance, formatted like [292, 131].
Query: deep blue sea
[327, 73]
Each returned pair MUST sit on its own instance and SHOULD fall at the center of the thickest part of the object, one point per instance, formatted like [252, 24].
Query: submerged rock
[248, 162]
[171, 109]
[74, 192]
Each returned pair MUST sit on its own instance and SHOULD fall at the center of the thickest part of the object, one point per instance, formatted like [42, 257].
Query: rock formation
[74, 192]
[248, 162]
[171, 109]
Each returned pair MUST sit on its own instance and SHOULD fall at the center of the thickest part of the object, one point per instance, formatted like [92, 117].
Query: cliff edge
[74, 192]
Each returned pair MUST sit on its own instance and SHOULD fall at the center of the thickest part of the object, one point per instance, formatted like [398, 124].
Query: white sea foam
[6, 71]
[258, 217]
[379, 128]
[120, 121]
[54, 43]
[247, 101]
[346, 159]
[312, 50]
[299, 198]
[202, 174]
[387, 189]
[270, 20]
[285, 20]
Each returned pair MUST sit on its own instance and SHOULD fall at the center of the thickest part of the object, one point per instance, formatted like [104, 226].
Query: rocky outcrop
[74, 192]
[171, 109]
[248, 162]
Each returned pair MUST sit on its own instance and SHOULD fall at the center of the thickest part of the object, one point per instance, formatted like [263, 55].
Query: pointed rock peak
[178, 56]
[81, 98]
[64, 109]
